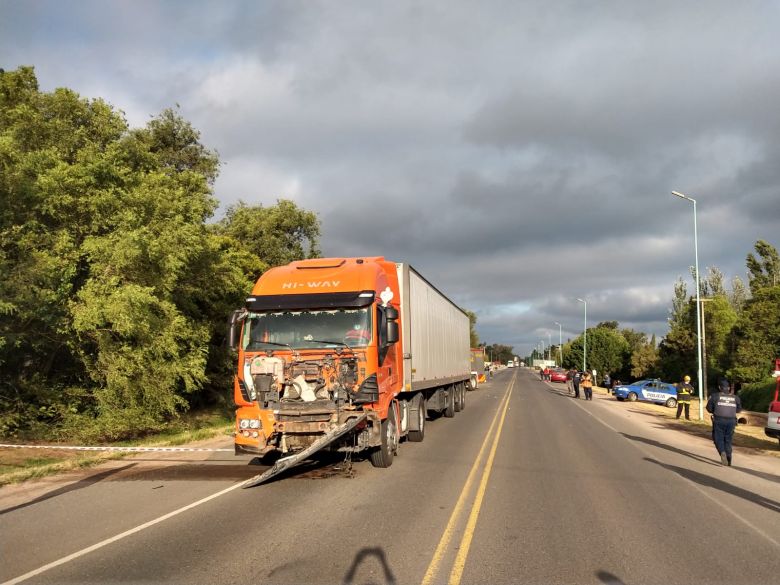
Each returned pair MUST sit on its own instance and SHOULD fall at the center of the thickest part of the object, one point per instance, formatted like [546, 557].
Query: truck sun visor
[257, 303]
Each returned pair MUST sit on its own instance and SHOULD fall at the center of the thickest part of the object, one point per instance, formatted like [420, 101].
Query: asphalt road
[526, 485]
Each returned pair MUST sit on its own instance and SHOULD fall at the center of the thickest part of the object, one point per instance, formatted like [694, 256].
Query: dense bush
[115, 287]
[758, 395]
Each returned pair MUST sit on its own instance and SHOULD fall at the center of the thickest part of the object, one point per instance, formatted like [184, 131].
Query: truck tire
[459, 397]
[449, 403]
[463, 390]
[417, 436]
[382, 456]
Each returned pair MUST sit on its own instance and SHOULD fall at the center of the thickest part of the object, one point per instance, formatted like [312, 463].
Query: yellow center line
[468, 534]
[446, 537]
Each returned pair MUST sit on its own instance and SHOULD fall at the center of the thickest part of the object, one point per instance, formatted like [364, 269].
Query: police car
[648, 391]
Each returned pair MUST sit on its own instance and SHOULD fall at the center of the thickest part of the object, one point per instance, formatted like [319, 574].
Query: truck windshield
[307, 329]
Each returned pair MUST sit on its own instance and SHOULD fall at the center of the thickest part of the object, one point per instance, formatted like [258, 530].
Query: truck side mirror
[392, 331]
[391, 312]
[234, 329]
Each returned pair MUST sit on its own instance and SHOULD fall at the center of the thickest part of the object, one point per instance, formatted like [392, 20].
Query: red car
[558, 375]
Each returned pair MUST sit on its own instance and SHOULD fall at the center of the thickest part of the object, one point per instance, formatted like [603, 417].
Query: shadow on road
[718, 484]
[77, 485]
[669, 448]
[361, 558]
[754, 472]
[608, 578]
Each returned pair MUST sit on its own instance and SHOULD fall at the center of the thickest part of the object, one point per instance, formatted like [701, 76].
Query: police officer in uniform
[684, 393]
[723, 406]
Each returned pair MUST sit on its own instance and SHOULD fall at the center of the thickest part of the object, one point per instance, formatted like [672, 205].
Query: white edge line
[113, 539]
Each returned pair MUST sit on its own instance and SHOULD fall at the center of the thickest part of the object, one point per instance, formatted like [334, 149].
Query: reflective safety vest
[684, 392]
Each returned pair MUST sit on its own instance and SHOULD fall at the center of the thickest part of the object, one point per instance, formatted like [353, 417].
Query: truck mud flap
[291, 461]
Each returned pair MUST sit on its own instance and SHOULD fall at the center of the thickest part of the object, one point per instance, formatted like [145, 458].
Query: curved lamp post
[698, 301]
[585, 338]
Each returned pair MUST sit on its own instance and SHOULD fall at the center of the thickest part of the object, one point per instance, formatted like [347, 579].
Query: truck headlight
[243, 423]
[254, 424]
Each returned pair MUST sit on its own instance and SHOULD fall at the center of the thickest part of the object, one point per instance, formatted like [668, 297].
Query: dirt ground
[747, 436]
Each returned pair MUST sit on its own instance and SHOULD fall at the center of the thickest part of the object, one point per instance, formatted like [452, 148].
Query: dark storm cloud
[519, 154]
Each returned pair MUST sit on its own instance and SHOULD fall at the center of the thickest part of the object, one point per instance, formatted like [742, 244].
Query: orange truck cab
[323, 343]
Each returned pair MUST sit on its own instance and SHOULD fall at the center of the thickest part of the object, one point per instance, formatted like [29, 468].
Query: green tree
[764, 268]
[712, 284]
[499, 353]
[719, 318]
[117, 289]
[278, 234]
[644, 361]
[756, 336]
[677, 351]
[738, 295]
[472, 330]
[606, 351]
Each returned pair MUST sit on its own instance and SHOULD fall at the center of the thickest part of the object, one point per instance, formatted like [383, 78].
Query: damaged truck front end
[306, 368]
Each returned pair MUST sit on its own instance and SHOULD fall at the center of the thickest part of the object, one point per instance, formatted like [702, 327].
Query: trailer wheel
[459, 398]
[417, 435]
[449, 402]
[383, 455]
[463, 395]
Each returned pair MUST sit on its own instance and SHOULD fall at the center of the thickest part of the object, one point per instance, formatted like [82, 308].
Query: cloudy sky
[518, 154]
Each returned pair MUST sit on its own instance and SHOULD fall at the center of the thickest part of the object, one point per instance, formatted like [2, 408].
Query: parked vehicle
[648, 391]
[772, 428]
[477, 368]
[345, 354]
[558, 375]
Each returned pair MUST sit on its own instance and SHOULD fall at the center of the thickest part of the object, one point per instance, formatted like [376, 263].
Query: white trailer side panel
[436, 341]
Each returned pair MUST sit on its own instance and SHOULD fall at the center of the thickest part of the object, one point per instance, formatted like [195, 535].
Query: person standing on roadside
[575, 382]
[684, 393]
[569, 383]
[607, 383]
[587, 386]
[724, 406]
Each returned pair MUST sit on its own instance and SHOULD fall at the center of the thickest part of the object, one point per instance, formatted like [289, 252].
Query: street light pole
[560, 343]
[549, 343]
[543, 350]
[585, 338]
[698, 301]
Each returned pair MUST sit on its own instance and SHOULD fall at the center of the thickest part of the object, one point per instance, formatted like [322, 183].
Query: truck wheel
[463, 396]
[449, 403]
[459, 397]
[382, 456]
[418, 435]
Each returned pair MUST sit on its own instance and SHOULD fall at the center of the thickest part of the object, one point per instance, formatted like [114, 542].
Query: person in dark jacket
[575, 381]
[723, 406]
[684, 393]
[569, 383]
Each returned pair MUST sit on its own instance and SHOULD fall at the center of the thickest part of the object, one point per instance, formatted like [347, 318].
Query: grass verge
[18, 465]
[752, 437]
